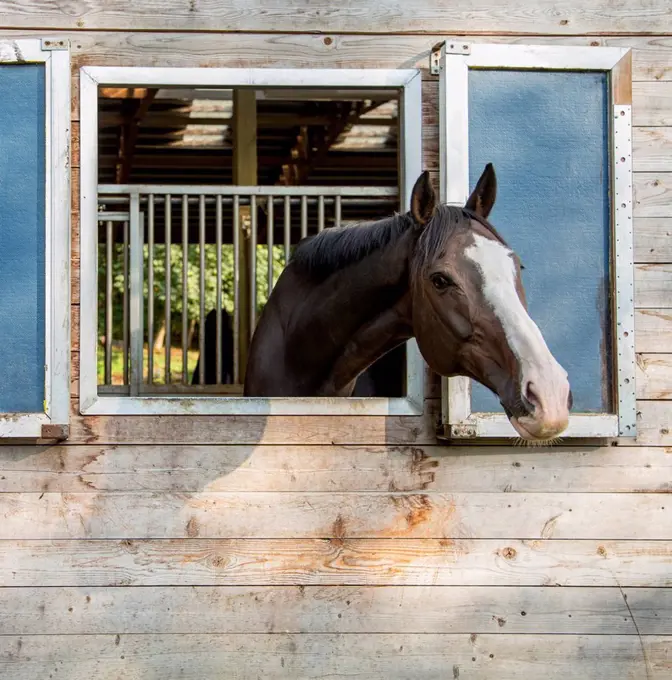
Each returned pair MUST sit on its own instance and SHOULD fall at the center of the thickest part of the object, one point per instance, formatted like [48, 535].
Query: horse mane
[339, 247]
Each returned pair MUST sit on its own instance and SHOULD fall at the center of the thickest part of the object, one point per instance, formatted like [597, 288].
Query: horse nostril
[530, 398]
[570, 401]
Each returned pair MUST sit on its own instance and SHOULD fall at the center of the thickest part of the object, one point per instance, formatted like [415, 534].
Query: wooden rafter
[129, 134]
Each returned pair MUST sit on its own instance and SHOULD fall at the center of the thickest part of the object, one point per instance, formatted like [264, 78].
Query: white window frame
[405, 81]
[53, 422]
[455, 60]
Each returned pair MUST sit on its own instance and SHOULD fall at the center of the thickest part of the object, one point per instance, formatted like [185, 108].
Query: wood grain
[653, 330]
[321, 16]
[211, 514]
[653, 285]
[367, 562]
[652, 103]
[331, 469]
[652, 194]
[343, 609]
[654, 376]
[654, 425]
[374, 656]
[653, 239]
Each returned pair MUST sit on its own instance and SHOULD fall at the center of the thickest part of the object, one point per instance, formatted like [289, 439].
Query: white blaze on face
[542, 377]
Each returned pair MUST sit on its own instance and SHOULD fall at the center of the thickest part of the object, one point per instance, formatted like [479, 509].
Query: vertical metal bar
[201, 289]
[270, 226]
[288, 228]
[185, 290]
[109, 237]
[337, 216]
[125, 302]
[150, 290]
[169, 247]
[236, 289]
[253, 263]
[218, 241]
[304, 216]
[320, 214]
[136, 295]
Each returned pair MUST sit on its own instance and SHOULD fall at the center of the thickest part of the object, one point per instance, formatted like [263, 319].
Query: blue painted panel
[547, 135]
[22, 238]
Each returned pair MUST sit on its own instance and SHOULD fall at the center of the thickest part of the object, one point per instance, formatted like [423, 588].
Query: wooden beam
[244, 174]
[129, 135]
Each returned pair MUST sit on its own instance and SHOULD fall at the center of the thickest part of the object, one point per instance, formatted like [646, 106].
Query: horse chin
[528, 436]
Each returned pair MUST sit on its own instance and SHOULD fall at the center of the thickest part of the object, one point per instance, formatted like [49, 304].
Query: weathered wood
[198, 562]
[319, 515]
[653, 285]
[301, 657]
[320, 16]
[652, 149]
[654, 376]
[652, 193]
[186, 468]
[653, 239]
[327, 609]
[653, 330]
[652, 103]
[654, 425]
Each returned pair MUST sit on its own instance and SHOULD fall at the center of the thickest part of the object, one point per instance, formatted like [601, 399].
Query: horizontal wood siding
[245, 547]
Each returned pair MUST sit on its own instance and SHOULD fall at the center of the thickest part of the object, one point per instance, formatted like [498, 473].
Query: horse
[384, 378]
[210, 352]
[439, 273]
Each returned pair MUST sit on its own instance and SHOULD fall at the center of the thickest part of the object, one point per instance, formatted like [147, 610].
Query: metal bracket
[59, 432]
[454, 47]
[49, 44]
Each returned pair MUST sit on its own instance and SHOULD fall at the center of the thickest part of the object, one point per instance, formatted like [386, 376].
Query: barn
[159, 163]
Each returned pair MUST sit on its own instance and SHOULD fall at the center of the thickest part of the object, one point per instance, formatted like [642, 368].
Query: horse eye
[441, 281]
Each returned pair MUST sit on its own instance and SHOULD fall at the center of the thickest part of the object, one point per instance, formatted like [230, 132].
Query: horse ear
[423, 200]
[483, 196]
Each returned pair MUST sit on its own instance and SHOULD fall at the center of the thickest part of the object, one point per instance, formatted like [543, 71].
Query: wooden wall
[245, 547]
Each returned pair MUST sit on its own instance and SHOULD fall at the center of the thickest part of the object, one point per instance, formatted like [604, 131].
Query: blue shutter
[22, 238]
[547, 135]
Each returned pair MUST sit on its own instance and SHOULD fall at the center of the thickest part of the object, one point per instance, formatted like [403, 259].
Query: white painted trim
[406, 81]
[57, 238]
[497, 426]
[551, 57]
[458, 419]
[225, 78]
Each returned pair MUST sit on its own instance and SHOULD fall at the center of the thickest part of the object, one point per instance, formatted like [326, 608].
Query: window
[555, 122]
[143, 229]
[35, 237]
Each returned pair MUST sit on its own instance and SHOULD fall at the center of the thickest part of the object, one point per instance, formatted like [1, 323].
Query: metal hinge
[59, 432]
[52, 44]
[449, 47]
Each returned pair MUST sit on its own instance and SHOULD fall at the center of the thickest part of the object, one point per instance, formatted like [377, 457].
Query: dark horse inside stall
[439, 273]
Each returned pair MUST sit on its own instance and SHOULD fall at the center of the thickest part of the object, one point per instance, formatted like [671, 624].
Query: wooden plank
[320, 16]
[654, 423]
[653, 330]
[246, 562]
[374, 656]
[654, 376]
[653, 285]
[652, 194]
[464, 469]
[652, 55]
[653, 239]
[652, 103]
[652, 149]
[320, 515]
[328, 609]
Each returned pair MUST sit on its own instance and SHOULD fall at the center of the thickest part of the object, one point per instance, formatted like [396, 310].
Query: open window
[556, 124]
[196, 186]
[35, 239]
